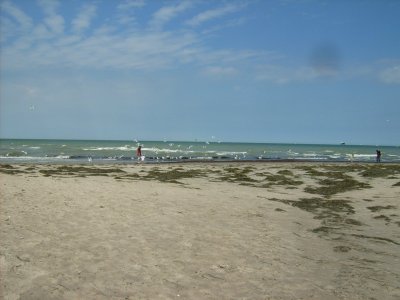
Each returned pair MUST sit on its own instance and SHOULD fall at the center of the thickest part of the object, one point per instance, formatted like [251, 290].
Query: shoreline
[191, 161]
[200, 231]
[159, 151]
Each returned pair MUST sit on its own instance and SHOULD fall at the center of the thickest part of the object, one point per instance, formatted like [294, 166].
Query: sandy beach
[200, 231]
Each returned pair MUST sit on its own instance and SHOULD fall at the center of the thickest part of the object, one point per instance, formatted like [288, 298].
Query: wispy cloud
[167, 13]
[17, 14]
[228, 24]
[49, 6]
[126, 10]
[49, 42]
[53, 20]
[390, 75]
[129, 4]
[104, 49]
[213, 14]
[82, 21]
[115, 47]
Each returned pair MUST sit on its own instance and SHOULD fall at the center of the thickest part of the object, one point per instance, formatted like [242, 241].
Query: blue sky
[304, 71]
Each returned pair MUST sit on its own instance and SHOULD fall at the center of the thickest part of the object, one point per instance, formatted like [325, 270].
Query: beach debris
[24, 258]
[341, 249]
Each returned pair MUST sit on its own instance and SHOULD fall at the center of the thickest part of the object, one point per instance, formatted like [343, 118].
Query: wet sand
[200, 231]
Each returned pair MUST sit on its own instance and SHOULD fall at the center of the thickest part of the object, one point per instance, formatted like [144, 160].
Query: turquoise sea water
[80, 151]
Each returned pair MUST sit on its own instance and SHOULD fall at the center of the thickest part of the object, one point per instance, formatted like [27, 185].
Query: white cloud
[129, 4]
[54, 21]
[41, 32]
[229, 24]
[7, 29]
[49, 6]
[82, 21]
[126, 10]
[113, 47]
[47, 44]
[390, 75]
[167, 13]
[213, 14]
[23, 20]
[104, 49]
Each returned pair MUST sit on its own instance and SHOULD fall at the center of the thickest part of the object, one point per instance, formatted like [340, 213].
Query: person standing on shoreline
[378, 156]
[139, 153]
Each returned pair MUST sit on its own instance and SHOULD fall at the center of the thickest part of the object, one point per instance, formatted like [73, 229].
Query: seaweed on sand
[379, 208]
[173, 175]
[310, 170]
[377, 238]
[341, 249]
[79, 171]
[285, 172]
[381, 171]
[334, 179]
[9, 169]
[6, 166]
[279, 179]
[315, 204]
[320, 206]
[329, 187]
[367, 171]
[334, 214]
[383, 217]
[238, 175]
[132, 176]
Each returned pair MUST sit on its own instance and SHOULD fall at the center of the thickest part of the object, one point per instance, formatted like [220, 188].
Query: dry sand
[200, 231]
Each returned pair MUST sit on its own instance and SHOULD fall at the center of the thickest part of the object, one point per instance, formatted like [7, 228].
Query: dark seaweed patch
[377, 238]
[320, 206]
[341, 249]
[132, 176]
[172, 176]
[313, 204]
[379, 208]
[280, 209]
[9, 169]
[285, 172]
[6, 166]
[353, 222]
[381, 171]
[383, 217]
[329, 187]
[279, 179]
[238, 175]
[323, 229]
[311, 171]
[79, 171]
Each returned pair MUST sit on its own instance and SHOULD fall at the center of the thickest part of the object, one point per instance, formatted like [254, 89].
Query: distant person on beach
[378, 156]
[139, 152]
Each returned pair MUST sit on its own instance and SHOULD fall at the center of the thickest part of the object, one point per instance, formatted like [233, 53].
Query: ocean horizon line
[214, 141]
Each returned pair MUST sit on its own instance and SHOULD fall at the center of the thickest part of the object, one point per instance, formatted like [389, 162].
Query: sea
[110, 152]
